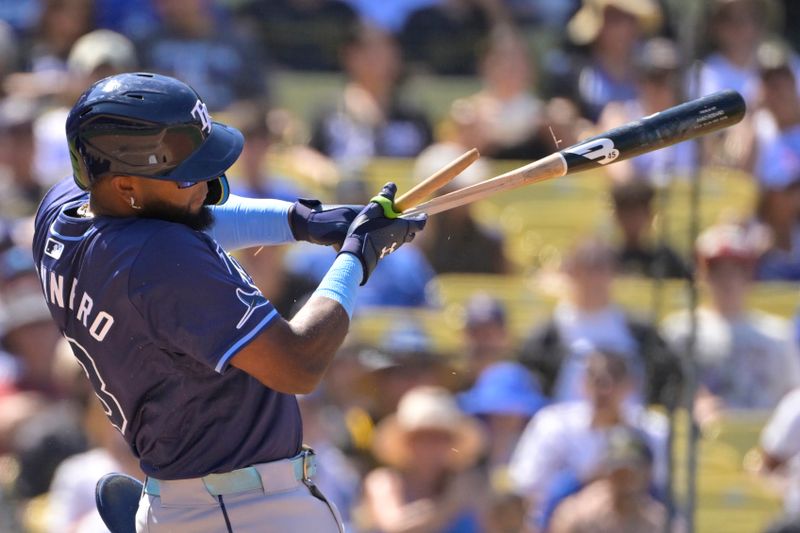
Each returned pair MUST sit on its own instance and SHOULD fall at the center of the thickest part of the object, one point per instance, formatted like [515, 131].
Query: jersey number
[110, 403]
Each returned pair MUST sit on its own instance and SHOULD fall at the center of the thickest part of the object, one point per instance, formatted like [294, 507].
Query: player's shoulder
[166, 240]
[60, 194]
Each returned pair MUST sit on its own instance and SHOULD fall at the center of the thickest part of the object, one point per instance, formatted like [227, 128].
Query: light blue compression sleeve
[341, 282]
[243, 222]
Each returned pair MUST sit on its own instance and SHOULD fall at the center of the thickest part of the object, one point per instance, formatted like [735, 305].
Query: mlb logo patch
[53, 248]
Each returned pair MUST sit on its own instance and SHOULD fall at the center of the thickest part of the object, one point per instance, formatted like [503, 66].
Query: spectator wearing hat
[428, 449]
[608, 32]
[658, 86]
[563, 447]
[637, 255]
[504, 398]
[746, 359]
[619, 500]
[585, 320]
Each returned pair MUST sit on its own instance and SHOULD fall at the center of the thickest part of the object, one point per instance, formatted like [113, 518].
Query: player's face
[165, 200]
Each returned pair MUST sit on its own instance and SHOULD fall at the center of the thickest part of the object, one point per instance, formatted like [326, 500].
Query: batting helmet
[153, 126]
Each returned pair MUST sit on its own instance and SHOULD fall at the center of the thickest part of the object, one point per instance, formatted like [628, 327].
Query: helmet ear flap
[218, 191]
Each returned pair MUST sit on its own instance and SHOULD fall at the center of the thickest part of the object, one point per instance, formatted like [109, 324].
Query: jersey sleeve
[195, 299]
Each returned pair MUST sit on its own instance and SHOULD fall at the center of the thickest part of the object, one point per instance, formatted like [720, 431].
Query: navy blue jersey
[154, 311]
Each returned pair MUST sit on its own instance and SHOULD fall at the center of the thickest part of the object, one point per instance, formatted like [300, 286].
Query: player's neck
[99, 206]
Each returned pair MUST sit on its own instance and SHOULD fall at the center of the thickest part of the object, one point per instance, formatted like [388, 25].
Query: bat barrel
[680, 123]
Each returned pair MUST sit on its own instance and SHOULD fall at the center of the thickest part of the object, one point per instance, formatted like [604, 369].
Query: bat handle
[436, 181]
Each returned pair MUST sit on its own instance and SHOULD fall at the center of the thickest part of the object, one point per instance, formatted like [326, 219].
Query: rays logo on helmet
[600, 150]
[200, 112]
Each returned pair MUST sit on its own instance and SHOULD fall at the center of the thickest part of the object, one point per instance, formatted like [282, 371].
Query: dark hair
[634, 193]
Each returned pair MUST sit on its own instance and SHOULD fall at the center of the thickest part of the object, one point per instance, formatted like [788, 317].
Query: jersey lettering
[57, 289]
[110, 403]
[84, 308]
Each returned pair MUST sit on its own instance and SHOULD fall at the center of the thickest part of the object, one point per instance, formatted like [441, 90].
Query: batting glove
[310, 221]
[377, 231]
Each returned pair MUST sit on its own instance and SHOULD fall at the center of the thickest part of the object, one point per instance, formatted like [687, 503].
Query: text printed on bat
[601, 150]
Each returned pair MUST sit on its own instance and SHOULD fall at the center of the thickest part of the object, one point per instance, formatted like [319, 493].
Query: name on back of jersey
[62, 293]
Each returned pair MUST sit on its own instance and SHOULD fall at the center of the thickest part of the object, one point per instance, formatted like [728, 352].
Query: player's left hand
[313, 222]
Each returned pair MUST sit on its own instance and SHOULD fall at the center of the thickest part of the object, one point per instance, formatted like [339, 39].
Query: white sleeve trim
[223, 361]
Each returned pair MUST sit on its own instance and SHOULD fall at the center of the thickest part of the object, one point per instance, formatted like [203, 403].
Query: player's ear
[126, 189]
[122, 185]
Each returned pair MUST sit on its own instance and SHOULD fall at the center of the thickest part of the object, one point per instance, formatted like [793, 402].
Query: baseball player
[191, 362]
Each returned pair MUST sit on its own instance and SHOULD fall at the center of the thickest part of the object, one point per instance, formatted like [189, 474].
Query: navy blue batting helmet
[153, 126]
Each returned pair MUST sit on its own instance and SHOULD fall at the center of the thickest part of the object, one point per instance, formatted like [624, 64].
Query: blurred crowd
[564, 430]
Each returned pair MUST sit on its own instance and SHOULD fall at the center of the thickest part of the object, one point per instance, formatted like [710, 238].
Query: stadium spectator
[61, 23]
[586, 319]
[369, 120]
[609, 32]
[746, 359]
[441, 38]
[619, 501]
[251, 177]
[637, 255]
[26, 331]
[777, 166]
[404, 359]
[504, 399]
[564, 445]
[511, 117]
[21, 188]
[486, 336]
[217, 61]
[454, 241]
[779, 449]
[735, 29]
[428, 449]
[300, 34]
[658, 87]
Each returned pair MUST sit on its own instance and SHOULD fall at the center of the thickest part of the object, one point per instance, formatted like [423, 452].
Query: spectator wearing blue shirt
[778, 166]
[609, 31]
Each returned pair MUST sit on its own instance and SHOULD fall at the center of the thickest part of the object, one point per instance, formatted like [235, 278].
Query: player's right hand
[373, 234]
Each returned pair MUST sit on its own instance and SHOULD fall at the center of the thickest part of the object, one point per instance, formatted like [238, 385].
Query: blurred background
[611, 351]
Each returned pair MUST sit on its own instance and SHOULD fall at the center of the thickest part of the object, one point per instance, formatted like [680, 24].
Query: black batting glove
[310, 221]
[377, 232]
